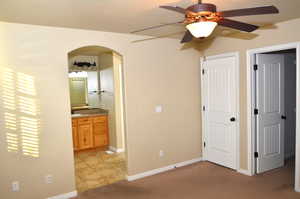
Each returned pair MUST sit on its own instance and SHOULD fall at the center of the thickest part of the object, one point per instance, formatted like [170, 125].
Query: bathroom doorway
[273, 88]
[97, 112]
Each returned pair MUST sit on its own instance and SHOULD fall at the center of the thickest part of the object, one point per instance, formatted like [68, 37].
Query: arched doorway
[97, 109]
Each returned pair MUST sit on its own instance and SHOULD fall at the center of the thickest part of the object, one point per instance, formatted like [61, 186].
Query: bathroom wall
[108, 94]
[93, 89]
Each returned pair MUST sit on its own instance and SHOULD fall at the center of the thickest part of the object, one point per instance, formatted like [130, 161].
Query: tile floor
[97, 168]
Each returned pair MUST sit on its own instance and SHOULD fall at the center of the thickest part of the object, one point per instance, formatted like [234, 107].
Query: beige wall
[285, 32]
[155, 72]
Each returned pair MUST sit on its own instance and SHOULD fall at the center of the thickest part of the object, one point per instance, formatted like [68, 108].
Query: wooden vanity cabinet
[90, 132]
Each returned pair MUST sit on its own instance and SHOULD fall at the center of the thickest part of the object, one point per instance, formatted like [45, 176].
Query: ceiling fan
[202, 18]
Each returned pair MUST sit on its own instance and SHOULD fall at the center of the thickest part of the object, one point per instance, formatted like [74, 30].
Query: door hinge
[255, 111]
[255, 67]
[203, 71]
[204, 144]
[256, 154]
[203, 108]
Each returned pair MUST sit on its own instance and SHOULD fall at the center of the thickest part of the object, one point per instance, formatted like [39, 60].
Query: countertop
[87, 115]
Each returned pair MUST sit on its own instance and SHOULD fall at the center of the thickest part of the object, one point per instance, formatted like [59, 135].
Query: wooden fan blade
[187, 37]
[176, 9]
[158, 26]
[250, 11]
[237, 25]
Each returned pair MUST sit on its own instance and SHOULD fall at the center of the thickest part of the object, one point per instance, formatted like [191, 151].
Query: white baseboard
[188, 162]
[65, 195]
[120, 150]
[245, 172]
[163, 169]
[112, 148]
[297, 189]
[116, 150]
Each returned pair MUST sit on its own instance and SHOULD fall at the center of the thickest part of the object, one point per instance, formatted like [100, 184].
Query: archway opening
[97, 110]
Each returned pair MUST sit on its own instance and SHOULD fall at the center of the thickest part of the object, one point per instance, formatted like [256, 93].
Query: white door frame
[202, 60]
[250, 106]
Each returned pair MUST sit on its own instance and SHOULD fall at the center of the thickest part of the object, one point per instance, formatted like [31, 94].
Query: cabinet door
[100, 140]
[100, 130]
[85, 136]
[75, 137]
[100, 134]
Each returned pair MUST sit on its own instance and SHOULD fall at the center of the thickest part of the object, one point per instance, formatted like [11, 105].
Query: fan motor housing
[203, 8]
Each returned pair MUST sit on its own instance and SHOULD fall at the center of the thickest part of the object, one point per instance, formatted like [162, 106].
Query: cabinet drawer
[99, 119]
[85, 120]
[100, 128]
[74, 122]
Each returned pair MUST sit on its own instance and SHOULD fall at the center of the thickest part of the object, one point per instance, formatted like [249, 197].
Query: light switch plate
[161, 153]
[15, 186]
[158, 109]
[48, 179]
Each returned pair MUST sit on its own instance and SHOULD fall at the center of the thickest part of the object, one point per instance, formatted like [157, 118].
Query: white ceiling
[125, 16]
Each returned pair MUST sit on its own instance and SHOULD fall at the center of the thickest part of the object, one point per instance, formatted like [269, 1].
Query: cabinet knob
[232, 119]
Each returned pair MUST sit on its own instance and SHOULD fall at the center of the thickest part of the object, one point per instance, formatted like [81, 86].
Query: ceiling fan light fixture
[202, 28]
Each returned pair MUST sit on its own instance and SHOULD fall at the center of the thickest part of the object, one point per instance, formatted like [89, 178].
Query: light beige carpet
[203, 180]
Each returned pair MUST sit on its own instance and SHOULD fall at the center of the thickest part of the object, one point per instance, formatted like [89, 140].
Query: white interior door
[270, 104]
[220, 85]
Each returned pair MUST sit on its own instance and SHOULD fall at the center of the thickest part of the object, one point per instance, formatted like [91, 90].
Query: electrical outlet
[15, 186]
[161, 153]
[49, 179]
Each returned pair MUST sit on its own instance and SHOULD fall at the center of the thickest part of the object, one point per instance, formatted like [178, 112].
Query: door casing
[237, 65]
[251, 104]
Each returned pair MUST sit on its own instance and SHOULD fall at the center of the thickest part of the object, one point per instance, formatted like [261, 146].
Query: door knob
[283, 117]
[232, 119]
